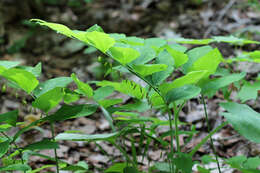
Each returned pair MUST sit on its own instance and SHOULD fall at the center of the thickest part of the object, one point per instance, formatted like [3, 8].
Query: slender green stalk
[170, 114]
[204, 140]
[55, 150]
[211, 140]
[20, 153]
[123, 152]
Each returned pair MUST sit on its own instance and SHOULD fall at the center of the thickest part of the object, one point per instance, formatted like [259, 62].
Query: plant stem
[55, 150]
[20, 153]
[170, 114]
[123, 152]
[204, 140]
[211, 140]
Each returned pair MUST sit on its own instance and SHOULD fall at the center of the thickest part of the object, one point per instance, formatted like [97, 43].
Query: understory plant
[167, 76]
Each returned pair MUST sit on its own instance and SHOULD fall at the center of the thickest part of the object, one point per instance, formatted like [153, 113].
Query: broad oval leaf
[42, 145]
[84, 137]
[51, 84]
[83, 87]
[68, 112]
[244, 119]
[190, 78]
[209, 62]
[24, 79]
[124, 55]
[49, 100]
[214, 84]
[182, 93]
[179, 57]
[100, 40]
[148, 69]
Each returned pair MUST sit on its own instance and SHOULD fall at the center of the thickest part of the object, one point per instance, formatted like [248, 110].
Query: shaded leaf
[185, 92]
[49, 100]
[244, 119]
[42, 145]
[83, 137]
[215, 84]
[15, 167]
[4, 147]
[51, 84]
[75, 111]
[9, 117]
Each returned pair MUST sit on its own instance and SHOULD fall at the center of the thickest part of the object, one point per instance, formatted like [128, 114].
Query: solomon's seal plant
[170, 76]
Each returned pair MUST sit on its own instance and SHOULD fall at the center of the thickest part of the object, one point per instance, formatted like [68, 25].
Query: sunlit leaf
[83, 87]
[24, 79]
[148, 69]
[124, 55]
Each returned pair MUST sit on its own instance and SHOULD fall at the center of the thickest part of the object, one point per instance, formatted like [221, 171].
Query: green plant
[152, 60]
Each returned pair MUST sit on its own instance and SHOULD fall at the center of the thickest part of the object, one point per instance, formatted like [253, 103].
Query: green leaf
[215, 84]
[194, 54]
[244, 119]
[234, 40]
[192, 41]
[83, 137]
[70, 96]
[183, 161]
[83, 87]
[49, 100]
[130, 169]
[95, 28]
[185, 92]
[249, 91]
[42, 145]
[109, 102]
[9, 117]
[134, 41]
[68, 112]
[4, 147]
[51, 84]
[102, 92]
[9, 64]
[163, 58]
[252, 163]
[36, 71]
[100, 40]
[127, 87]
[124, 55]
[117, 167]
[190, 78]
[24, 79]
[179, 57]
[209, 61]
[15, 167]
[55, 26]
[148, 69]
[146, 54]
